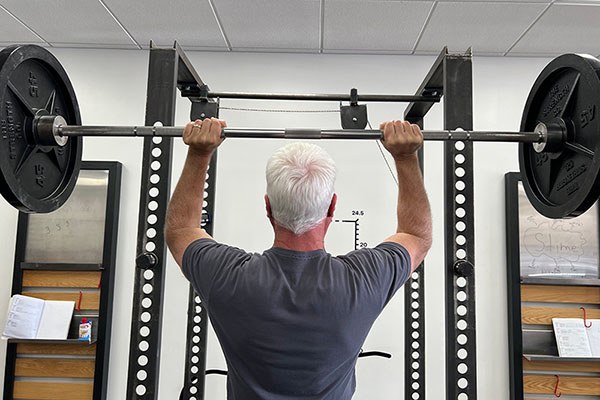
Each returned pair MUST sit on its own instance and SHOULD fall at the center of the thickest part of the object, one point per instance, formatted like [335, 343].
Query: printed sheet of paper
[571, 337]
[23, 318]
[55, 320]
[593, 334]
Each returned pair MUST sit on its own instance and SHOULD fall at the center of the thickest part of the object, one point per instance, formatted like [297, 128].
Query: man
[291, 321]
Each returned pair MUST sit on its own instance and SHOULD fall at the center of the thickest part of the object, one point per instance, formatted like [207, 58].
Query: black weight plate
[34, 178]
[564, 184]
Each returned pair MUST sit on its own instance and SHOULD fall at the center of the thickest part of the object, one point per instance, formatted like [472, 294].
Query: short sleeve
[399, 265]
[206, 261]
[385, 268]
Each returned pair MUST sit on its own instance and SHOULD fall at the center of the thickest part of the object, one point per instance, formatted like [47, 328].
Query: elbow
[169, 236]
[427, 239]
[168, 228]
[427, 242]
[424, 246]
[171, 230]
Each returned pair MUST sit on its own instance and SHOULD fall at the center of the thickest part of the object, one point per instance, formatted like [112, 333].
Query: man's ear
[268, 207]
[332, 206]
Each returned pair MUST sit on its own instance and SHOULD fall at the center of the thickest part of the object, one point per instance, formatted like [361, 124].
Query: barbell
[40, 152]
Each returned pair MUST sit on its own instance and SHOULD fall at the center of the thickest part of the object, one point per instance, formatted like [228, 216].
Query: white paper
[23, 317]
[56, 320]
[571, 337]
[593, 334]
[32, 318]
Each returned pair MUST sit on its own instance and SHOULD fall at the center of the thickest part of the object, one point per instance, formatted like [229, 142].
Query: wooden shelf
[560, 281]
[536, 357]
[52, 341]
[61, 266]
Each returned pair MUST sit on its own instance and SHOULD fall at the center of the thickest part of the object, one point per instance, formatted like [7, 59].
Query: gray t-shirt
[291, 324]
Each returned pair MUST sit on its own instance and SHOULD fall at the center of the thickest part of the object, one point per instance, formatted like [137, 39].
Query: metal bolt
[146, 260]
[464, 269]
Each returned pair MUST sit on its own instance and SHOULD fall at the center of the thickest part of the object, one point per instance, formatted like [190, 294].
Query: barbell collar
[45, 129]
[555, 137]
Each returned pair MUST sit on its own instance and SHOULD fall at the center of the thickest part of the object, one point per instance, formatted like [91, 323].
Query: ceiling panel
[190, 22]
[499, 1]
[486, 27]
[14, 31]
[70, 22]
[274, 24]
[490, 27]
[563, 29]
[383, 26]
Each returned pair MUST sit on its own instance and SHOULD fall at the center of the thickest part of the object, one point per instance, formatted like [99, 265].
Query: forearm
[185, 206]
[413, 211]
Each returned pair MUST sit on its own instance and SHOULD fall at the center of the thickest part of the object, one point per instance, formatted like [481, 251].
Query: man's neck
[308, 241]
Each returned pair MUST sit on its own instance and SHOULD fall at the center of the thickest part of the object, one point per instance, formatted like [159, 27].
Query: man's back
[291, 324]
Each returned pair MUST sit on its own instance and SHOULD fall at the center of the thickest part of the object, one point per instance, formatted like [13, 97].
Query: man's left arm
[184, 212]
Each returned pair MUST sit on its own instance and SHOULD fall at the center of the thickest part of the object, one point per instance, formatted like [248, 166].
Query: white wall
[111, 89]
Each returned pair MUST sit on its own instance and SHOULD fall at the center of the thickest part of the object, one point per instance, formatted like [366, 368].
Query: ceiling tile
[386, 26]
[65, 21]
[498, 1]
[563, 29]
[576, 2]
[14, 31]
[486, 27]
[274, 24]
[190, 22]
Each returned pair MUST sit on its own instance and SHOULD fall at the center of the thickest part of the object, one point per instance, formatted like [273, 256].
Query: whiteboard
[75, 232]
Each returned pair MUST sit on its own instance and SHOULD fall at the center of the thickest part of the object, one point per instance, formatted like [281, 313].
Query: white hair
[300, 180]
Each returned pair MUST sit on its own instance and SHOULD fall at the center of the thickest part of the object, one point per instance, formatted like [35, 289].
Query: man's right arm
[413, 232]
[184, 212]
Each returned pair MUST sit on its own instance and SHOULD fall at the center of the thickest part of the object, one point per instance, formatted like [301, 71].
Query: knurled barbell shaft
[297, 133]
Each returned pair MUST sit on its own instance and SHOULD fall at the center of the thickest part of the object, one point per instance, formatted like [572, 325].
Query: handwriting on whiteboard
[558, 248]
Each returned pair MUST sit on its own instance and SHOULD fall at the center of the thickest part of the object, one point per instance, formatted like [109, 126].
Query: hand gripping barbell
[41, 146]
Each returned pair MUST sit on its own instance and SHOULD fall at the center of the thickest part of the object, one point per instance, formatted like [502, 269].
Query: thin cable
[277, 110]
[384, 158]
